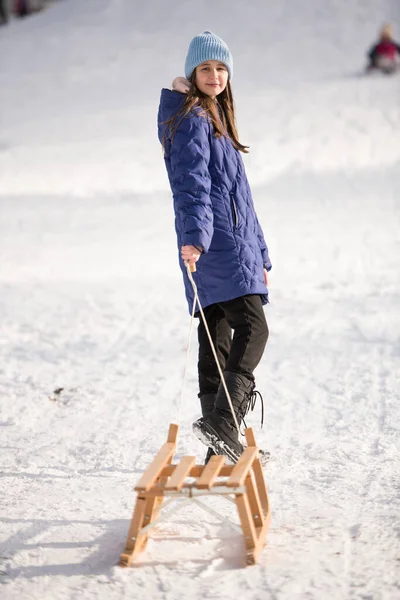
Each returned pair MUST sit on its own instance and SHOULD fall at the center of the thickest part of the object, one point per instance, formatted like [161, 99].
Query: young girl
[385, 55]
[217, 228]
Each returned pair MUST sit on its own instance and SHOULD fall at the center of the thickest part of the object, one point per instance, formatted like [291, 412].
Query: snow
[91, 301]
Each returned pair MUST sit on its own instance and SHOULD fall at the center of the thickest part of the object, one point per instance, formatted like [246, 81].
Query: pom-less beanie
[207, 46]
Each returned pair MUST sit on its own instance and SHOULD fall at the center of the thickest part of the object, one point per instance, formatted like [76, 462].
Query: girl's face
[211, 77]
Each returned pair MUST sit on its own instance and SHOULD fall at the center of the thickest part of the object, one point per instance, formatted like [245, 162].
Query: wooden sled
[162, 480]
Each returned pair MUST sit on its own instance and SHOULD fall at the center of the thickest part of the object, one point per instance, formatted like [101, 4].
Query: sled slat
[261, 533]
[242, 467]
[260, 483]
[250, 438]
[249, 530]
[258, 472]
[153, 471]
[182, 470]
[173, 433]
[254, 500]
[210, 473]
[131, 546]
[197, 470]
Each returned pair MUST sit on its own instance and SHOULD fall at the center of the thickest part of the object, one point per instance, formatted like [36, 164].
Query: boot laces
[252, 399]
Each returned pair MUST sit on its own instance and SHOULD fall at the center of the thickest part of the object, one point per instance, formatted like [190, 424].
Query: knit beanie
[207, 46]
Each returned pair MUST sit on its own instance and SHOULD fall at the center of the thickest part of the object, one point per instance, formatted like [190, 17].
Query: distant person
[3, 13]
[21, 8]
[385, 54]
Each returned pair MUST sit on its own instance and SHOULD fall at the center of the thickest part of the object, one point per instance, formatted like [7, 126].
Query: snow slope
[91, 300]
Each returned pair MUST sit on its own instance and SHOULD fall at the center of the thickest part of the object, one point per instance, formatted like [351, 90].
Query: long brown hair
[221, 113]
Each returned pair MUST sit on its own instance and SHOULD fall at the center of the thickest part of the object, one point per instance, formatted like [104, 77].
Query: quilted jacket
[213, 208]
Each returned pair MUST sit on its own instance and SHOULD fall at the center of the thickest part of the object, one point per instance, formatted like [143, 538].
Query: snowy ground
[91, 300]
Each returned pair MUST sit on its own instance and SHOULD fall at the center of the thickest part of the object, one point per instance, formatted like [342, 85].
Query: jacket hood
[170, 103]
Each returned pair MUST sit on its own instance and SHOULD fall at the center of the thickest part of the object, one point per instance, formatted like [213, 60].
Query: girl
[217, 228]
[385, 55]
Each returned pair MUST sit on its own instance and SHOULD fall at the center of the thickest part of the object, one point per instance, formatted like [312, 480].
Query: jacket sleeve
[372, 52]
[260, 235]
[189, 156]
[263, 247]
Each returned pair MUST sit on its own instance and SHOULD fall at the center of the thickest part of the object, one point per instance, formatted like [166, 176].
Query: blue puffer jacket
[213, 208]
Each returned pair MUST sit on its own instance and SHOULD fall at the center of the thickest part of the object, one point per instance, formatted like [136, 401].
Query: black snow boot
[219, 430]
[207, 406]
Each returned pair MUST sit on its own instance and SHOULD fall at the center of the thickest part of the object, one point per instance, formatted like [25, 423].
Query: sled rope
[196, 299]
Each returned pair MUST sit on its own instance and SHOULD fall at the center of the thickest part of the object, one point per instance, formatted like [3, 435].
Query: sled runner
[162, 480]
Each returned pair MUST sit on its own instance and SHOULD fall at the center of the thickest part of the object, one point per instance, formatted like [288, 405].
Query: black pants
[240, 353]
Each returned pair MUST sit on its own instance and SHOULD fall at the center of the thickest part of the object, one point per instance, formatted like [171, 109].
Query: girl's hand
[190, 254]
[266, 277]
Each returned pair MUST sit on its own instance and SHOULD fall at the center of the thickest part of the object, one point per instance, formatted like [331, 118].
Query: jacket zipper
[234, 213]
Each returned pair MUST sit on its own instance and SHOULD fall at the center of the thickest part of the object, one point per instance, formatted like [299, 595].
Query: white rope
[217, 514]
[183, 501]
[196, 299]
[169, 513]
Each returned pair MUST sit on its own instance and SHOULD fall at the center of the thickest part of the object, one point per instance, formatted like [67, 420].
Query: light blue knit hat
[207, 46]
